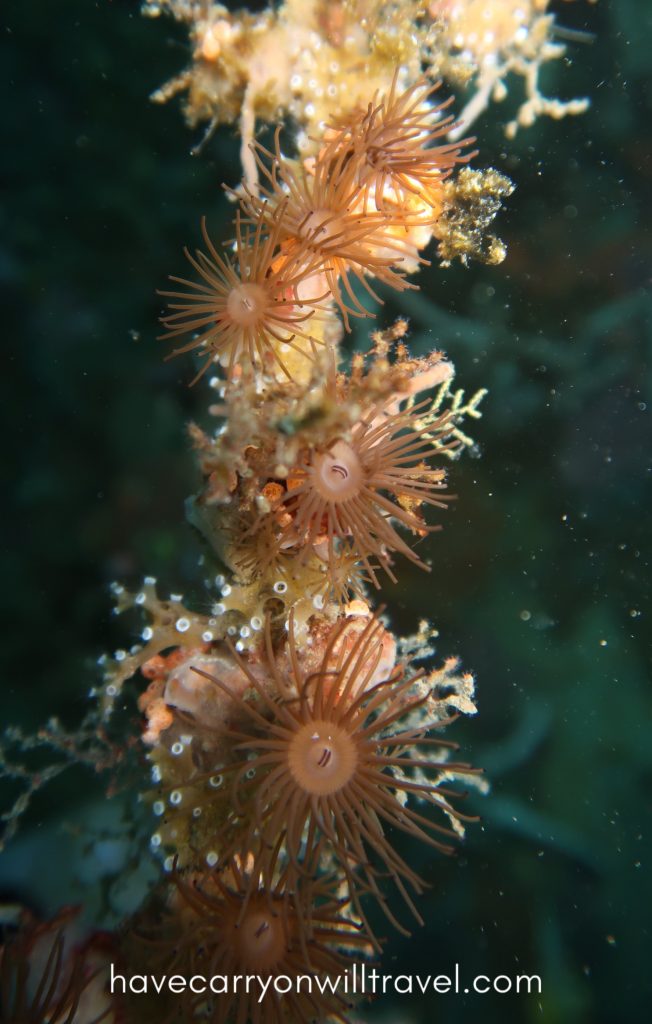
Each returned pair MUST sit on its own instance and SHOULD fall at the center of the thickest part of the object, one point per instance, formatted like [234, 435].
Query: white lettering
[442, 984]
[264, 984]
[117, 977]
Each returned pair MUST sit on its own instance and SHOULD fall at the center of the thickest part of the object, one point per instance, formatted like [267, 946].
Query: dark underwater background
[540, 581]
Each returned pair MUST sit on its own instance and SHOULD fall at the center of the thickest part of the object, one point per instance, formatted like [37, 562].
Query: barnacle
[333, 761]
[247, 310]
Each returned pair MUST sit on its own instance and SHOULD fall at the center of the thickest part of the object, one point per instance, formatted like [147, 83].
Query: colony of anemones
[294, 745]
[359, 211]
[292, 740]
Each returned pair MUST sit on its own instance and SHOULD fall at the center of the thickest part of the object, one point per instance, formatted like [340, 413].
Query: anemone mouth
[246, 304]
[259, 940]
[322, 757]
[377, 156]
[338, 473]
[322, 228]
[246, 309]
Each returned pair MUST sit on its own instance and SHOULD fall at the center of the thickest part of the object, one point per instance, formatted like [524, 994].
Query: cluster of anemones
[287, 759]
[358, 211]
[291, 742]
[313, 493]
[279, 775]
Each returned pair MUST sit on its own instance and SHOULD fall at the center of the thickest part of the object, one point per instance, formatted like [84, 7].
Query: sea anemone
[248, 309]
[325, 213]
[341, 490]
[338, 579]
[227, 924]
[337, 760]
[391, 148]
[327, 577]
[42, 979]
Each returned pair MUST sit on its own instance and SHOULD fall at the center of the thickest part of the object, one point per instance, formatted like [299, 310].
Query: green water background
[540, 582]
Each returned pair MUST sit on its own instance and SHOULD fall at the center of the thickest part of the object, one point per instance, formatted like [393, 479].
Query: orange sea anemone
[338, 579]
[247, 310]
[325, 213]
[336, 761]
[332, 576]
[391, 148]
[227, 924]
[353, 488]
